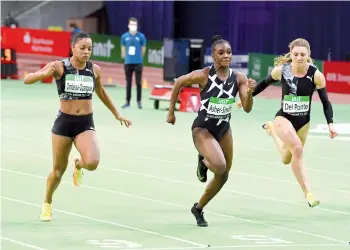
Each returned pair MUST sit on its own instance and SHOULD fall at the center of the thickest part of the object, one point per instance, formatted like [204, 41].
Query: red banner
[36, 41]
[337, 76]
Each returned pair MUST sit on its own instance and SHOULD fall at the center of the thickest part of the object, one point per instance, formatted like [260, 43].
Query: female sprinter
[299, 78]
[76, 78]
[211, 130]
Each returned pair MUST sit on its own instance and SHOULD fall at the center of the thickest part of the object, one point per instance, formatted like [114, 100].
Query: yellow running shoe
[78, 173]
[46, 212]
[311, 200]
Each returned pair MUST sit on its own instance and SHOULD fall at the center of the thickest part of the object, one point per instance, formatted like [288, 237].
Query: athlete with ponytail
[299, 78]
[77, 79]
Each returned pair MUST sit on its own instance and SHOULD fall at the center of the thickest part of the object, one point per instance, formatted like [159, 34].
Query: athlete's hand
[171, 118]
[332, 132]
[123, 119]
[251, 84]
[50, 68]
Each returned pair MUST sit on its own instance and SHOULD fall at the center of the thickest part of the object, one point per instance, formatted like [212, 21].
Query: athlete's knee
[217, 163]
[297, 150]
[219, 168]
[58, 170]
[91, 164]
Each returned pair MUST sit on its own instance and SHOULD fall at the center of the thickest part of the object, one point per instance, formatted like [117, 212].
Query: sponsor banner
[107, 48]
[36, 41]
[261, 65]
[337, 76]
[57, 43]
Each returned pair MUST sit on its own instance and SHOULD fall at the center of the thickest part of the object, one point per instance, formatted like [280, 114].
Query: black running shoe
[201, 169]
[199, 215]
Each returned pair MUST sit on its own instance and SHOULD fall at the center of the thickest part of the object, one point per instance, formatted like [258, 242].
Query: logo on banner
[256, 67]
[103, 49]
[26, 38]
[38, 44]
[334, 77]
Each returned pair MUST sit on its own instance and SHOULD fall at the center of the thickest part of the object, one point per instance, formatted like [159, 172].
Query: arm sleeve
[327, 106]
[263, 84]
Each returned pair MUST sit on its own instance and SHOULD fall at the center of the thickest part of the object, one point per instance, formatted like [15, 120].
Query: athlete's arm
[195, 77]
[275, 76]
[245, 91]
[320, 83]
[105, 98]
[50, 69]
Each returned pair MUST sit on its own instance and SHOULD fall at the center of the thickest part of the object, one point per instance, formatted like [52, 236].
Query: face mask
[132, 28]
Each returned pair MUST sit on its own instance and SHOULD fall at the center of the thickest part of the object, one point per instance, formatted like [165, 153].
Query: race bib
[296, 105]
[79, 84]
[219, 108]
[131, 50]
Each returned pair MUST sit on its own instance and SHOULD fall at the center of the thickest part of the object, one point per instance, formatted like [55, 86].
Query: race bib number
[132, 50]
[296, 105]
[219, 108]
[78, 85]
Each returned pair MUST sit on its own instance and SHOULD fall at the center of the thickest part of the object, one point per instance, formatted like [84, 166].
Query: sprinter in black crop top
[211, 131]
[76, 84]
[76, 78]
[299, 79]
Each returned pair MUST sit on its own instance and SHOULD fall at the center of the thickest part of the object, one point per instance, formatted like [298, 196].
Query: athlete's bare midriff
[76, 107]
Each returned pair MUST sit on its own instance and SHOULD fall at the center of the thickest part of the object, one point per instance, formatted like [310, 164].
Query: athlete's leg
[286, 155]
[303, 132]
[220, 179]
[61, 147]
[87, 145]
[286, 132]
[210, 149]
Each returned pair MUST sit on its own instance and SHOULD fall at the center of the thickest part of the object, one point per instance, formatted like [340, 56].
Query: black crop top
[76, 84]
